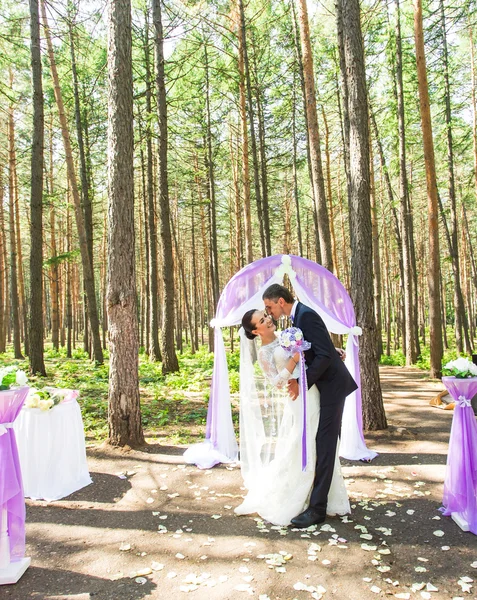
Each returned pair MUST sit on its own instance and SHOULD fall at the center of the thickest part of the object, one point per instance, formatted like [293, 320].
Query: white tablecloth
[52, 451]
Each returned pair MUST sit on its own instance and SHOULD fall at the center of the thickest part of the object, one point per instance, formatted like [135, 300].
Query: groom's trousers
[327, 436]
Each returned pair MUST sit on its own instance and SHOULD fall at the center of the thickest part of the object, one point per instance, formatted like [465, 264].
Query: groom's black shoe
[311, 516]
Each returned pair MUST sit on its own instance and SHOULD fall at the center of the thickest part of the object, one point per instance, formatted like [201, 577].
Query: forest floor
[151, 527]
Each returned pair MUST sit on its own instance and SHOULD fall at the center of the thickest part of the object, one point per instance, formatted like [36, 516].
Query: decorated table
[13, 562]
[52, 450]
[460, 484]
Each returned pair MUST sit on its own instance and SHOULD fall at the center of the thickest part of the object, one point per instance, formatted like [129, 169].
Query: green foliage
[396, 359]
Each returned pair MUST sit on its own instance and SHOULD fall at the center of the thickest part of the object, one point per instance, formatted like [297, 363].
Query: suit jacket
[326, 370]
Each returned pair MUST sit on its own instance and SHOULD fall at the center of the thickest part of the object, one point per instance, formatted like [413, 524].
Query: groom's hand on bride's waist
[293, 390]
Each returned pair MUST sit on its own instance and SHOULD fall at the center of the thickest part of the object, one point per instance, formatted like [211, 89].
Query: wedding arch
[316, 287]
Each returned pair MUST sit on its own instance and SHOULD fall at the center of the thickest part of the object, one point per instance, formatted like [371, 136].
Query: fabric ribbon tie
[462, 401]
[304, 457]
[4, 427]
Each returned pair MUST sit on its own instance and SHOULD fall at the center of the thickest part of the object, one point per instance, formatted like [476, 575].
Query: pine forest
[151, 150]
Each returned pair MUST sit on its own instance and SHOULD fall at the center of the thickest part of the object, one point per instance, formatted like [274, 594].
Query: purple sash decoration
[11, 487]
[460, 484]
[304, 457]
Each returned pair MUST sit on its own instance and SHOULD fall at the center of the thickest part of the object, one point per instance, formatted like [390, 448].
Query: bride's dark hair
[247, 324]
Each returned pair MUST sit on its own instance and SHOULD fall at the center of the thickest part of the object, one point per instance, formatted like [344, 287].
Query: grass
[173, 407]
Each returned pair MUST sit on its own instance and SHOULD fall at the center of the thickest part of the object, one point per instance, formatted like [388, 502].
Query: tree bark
[247, 215]
[461, 323]
[360, 213]
[410, 349]
[314, 133]
[15, 304]
[169, 358]
[153, 288]
[88, 275]
[124, 416]
[431, 182]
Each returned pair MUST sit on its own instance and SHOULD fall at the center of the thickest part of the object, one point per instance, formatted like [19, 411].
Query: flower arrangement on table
[11, 377]
[292, 340]
[462, 368]
[46, 398]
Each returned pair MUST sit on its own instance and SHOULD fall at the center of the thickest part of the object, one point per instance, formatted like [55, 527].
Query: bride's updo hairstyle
[247, 325]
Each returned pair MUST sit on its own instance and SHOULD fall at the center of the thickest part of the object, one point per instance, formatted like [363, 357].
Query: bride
[272, 439]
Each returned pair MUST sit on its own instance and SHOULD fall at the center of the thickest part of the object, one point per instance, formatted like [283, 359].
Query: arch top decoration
[316, 287]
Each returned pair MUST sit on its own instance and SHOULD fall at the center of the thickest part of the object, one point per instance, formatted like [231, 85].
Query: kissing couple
[290, 419]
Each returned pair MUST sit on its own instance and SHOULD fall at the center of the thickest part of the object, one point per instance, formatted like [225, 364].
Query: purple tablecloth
[11, 487]
[460, 484]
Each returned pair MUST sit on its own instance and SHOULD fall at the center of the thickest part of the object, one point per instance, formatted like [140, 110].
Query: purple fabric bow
[460, 484]
[11, 486]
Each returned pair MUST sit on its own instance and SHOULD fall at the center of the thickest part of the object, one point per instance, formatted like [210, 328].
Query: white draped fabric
[317, 288]
[52, 452]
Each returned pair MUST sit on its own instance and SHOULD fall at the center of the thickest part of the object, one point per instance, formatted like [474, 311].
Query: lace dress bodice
[273, 359]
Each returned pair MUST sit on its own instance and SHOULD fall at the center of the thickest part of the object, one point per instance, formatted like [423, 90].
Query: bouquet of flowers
[47, 398]
[292, 340]
[11, 377]
[461, 368]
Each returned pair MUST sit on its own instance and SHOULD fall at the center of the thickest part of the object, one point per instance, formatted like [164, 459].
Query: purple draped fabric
[460, 484]
[11, 487]
[316, 287]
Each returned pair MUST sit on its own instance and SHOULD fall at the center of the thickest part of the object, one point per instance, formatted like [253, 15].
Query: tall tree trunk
[296, 196]
[360, 213]
[410, 349]
[22, 308]
[124, 416]
[86, 261]
[314, 133]
[461, 324]
[53, 267]
[376, 258]
[85, 188]
[251, 118]
[169, 358]
[209, 164]
[15, 304]
[263, 157]
[431, 181]
[37, 363]
[329, 193]
[247, 215]
[153, 288]
[299, 59]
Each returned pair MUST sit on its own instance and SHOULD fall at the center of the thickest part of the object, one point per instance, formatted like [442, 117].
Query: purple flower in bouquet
[292, 340]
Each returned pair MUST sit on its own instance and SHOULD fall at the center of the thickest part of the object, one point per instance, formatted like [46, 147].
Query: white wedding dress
[271, 426]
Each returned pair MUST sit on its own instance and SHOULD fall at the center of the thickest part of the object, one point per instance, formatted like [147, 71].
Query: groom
[327, 371]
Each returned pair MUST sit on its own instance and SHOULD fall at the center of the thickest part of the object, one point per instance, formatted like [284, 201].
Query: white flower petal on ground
[375, 589]
[403, 595]
[416, 587]
[445, 548]
[180, 556]
[244, 587]
[426, 595]
[420, 569]
[438, 533]
[125, 547]
[155, 566]
[191, 587]
[141, 580]
[368, 548]
[431, 588]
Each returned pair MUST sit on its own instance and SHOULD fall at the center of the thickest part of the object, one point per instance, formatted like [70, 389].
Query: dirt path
[178, 522]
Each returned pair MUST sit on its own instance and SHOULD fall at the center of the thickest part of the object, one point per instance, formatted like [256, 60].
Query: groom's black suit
[327, 371]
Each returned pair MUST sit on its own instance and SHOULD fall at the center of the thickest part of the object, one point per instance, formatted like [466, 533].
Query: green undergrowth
[173, 407]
